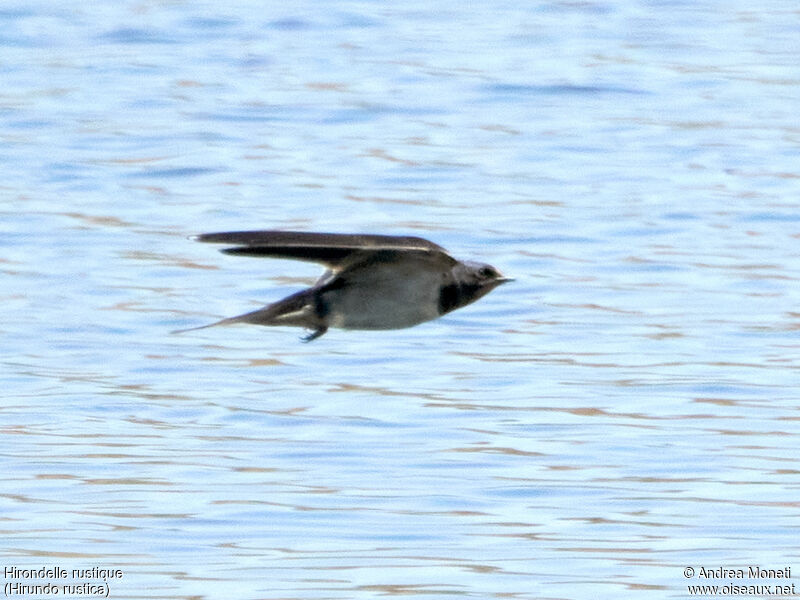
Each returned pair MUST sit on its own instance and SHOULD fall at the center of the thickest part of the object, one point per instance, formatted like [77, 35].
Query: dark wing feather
[328, 248]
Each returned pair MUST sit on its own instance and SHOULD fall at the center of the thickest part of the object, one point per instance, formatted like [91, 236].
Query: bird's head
[484, 277]
[470, 281]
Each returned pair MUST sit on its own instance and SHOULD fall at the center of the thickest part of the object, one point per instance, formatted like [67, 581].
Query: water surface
[626, 409]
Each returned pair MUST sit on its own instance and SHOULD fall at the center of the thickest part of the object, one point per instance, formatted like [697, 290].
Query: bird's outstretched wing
[330, 249]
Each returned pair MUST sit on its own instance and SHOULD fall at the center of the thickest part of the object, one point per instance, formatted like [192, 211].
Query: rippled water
[626, 409]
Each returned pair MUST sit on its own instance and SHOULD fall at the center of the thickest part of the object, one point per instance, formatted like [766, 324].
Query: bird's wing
[331, 249]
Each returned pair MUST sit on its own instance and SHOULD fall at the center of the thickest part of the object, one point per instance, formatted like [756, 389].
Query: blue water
[627, 408]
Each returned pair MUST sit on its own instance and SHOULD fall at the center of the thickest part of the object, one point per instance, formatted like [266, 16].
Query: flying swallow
[370, 282]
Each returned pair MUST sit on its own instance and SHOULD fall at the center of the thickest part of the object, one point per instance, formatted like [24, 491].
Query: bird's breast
[384, 296]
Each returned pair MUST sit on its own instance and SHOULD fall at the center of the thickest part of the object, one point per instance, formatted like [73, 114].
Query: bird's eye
[488, 272]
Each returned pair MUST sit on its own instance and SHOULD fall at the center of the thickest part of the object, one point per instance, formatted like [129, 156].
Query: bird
[371, 282]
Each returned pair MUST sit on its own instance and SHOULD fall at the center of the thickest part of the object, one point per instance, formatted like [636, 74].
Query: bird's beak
[504, 279]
